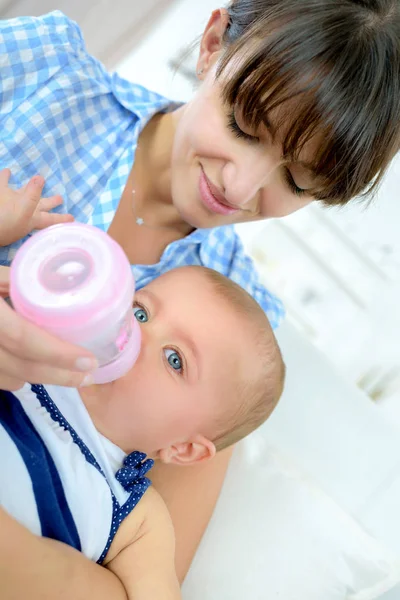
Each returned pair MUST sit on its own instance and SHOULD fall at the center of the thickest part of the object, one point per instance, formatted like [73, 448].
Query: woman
[298, 101]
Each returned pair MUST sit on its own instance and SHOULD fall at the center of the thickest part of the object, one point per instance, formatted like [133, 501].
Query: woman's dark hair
[338, 63]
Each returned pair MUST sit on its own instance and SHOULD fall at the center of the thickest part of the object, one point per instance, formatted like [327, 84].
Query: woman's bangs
[266, 97]
[309, 97]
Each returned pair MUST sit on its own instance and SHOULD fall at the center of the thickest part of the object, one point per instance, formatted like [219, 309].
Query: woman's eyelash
[292, 184]
[234, 127]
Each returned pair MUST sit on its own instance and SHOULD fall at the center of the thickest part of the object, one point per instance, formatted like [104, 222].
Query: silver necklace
[141, 222]
[138, 220]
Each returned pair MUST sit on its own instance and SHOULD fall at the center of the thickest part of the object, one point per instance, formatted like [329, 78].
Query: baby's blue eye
[140, 314]
[173, 359]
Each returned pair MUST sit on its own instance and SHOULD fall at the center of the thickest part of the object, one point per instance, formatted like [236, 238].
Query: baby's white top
[59, 476]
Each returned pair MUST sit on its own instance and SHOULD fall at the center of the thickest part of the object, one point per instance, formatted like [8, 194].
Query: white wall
[111, 28]
[148, 64]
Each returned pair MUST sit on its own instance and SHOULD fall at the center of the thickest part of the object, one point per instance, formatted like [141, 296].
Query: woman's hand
[27, 353]
[24, 210]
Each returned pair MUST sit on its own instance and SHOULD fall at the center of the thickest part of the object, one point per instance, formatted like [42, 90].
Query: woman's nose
[248, 176]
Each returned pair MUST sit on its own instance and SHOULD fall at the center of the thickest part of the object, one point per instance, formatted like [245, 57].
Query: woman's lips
[211, 198]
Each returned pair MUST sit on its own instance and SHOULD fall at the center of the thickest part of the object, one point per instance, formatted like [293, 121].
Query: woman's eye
[174, 359]
[238, 132]
[141, 314]
[295, 189]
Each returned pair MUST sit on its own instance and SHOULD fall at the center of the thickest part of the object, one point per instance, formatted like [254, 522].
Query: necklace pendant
[139, 221]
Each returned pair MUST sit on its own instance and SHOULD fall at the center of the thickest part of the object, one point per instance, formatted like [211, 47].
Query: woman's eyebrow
[307, 166]
[268, 125]
[273, 131]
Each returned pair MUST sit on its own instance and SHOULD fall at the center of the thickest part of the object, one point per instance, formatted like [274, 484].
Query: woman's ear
[194, 451]
[212, 41]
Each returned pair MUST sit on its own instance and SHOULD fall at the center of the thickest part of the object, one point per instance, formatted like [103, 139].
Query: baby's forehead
[207, 290]
[190, 280]
[180, 274]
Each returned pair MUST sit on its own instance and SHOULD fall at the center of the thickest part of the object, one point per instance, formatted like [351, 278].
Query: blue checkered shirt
[63, 116]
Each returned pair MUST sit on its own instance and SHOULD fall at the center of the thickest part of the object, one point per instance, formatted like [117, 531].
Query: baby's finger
[4, 281]
[28, 342]
[31, 195]
[47, 204]
[41, 220]
[5, 175]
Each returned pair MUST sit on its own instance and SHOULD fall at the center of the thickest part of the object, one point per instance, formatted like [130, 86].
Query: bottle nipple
[66, 271]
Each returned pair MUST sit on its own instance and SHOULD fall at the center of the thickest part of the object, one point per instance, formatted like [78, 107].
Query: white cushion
[276, 535]
[332, 430]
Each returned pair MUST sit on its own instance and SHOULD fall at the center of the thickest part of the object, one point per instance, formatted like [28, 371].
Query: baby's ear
[194, 451]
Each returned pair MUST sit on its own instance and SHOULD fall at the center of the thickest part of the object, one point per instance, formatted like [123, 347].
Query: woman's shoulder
[222, 249]
[37, 52]
[141, 100]
[239, 266]
[28, 35]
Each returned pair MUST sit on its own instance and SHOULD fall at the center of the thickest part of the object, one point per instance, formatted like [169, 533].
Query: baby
[209, 372]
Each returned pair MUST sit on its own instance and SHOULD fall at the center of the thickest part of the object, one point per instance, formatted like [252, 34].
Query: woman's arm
[43, 569]
[139, 565]
[190, 494]
[28, 353]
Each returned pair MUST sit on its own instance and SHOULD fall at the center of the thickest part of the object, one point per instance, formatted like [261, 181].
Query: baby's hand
[23, 210]
[4, 281]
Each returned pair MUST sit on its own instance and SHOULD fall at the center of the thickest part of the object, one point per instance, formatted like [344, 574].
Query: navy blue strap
[55, 516]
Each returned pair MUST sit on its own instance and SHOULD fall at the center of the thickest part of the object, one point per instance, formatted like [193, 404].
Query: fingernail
[37, 180]
[88, 380]
[83, 363]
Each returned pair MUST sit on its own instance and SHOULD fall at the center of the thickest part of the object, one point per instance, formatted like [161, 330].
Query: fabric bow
[134, 469]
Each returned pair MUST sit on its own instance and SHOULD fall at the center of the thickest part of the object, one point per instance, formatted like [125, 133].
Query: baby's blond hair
[255, 400]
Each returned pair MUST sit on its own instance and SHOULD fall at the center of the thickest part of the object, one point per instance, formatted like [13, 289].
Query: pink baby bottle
[75, 281]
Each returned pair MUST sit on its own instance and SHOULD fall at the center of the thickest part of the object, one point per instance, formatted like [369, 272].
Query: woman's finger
[18, 370]
[11, 384]
[26, 341]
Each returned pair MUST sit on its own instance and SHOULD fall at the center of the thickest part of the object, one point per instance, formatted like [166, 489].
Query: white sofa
[319, 515]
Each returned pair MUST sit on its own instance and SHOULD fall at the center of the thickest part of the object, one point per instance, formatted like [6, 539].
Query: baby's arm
[22, 211]
[139, 565]
[143, 552]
